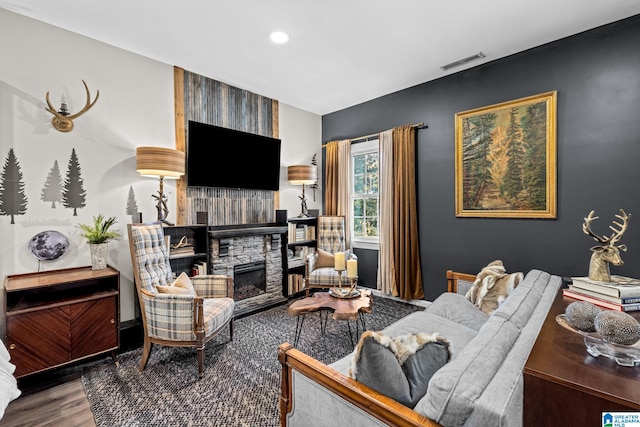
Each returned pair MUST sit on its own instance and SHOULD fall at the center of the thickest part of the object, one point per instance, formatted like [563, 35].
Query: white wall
[301, 135]
[136, 107]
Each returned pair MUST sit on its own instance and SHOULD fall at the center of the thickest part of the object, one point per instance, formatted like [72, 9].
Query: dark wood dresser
[565, 386]
[57, 317]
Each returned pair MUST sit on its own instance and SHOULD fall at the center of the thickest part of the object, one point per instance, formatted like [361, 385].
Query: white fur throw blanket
[400, 367]
[8, 385]
[402, 347]
[492, 286]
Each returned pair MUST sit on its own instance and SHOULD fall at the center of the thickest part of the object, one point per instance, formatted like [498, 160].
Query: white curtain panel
[386, 269]
[344, 189]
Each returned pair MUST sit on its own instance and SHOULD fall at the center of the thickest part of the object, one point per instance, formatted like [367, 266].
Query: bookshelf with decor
[189, 248]
[301, 242]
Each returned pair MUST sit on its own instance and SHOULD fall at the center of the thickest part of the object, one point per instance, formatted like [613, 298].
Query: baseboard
[418, 302]
[131, 335]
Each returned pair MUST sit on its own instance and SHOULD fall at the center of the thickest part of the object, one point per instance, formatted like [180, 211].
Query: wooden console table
[57, 317]
[565, 386]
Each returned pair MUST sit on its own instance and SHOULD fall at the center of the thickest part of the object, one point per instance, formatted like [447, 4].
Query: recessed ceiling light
[279, 37]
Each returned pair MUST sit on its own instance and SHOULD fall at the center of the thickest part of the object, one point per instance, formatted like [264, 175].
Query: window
[364, 194]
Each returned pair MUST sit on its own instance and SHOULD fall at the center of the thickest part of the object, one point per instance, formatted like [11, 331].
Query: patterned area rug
[241, 382]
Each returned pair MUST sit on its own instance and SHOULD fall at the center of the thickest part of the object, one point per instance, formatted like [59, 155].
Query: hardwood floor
[65, 405]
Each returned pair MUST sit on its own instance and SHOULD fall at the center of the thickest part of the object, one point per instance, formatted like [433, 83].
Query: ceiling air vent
[462, 61]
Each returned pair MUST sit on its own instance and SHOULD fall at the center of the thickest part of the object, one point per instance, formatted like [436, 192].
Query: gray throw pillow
[399, 368]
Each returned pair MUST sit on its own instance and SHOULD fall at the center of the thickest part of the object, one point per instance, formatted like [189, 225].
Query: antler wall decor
[607, 251]
[62, 120]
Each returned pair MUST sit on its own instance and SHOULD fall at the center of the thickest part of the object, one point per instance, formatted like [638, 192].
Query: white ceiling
[341, 52]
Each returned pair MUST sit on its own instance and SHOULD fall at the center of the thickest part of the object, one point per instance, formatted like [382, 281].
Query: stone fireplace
[252, 255]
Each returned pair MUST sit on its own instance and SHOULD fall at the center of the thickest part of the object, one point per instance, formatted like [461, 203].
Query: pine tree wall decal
[52, 190]
[73, 194]
[132, 205]
[13, 201]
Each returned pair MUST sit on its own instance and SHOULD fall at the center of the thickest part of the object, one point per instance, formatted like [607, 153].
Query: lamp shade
[160, 161]
[302, 174]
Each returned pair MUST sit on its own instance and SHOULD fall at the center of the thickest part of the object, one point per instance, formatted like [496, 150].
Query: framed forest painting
[506, 159]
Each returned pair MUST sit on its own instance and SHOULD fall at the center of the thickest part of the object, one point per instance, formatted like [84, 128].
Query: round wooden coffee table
[343, 309]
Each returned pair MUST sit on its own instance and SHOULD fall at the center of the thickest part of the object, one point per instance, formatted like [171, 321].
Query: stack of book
[199, 268]
[621, 294]
[301, 233]
[310, 232]
[295, 283]
[185, 250]
[295, 262]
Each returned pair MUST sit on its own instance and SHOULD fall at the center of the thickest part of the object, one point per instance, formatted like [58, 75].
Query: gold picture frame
[505, 159]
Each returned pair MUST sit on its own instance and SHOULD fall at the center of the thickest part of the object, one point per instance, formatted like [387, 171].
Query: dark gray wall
[367, 267]
[597, 76]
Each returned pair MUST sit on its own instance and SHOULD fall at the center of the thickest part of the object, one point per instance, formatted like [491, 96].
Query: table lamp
[301, 175]
[159, 162]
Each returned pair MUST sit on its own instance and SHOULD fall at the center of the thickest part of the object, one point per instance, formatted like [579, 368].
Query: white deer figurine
[607, 252]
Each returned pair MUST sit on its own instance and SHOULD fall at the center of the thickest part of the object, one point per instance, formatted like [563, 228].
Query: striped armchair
[331, 238]
[176, 319]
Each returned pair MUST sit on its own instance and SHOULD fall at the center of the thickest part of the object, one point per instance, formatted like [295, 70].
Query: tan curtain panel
[408, 273]
[331, 179]
[337, 199]
[386, 270]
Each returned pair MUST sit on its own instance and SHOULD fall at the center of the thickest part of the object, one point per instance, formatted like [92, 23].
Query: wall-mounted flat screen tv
[221, 157]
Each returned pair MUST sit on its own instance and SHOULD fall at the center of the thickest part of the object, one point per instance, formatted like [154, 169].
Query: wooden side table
[565, 386]
[343, 309]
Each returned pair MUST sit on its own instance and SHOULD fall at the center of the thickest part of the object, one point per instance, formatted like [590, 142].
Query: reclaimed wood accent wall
[205, 100]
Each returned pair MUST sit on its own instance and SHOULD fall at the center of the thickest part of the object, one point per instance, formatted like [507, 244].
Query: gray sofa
[481, 385]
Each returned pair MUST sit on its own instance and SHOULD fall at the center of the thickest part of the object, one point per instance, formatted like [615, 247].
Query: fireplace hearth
[249, 280]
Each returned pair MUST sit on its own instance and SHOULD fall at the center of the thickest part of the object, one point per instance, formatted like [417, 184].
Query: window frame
[359, 148]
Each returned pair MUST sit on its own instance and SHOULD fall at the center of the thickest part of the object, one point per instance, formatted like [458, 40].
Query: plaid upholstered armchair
[186, 312]
[319, 267]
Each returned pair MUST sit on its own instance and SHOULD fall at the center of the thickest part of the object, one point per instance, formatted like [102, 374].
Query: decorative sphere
[581, 315]
[617, 327]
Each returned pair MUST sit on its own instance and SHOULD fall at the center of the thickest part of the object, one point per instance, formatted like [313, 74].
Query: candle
[352, 268]
[64, 110]
[339, 259]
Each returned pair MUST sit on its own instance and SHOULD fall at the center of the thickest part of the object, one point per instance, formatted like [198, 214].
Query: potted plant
[98, 236]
